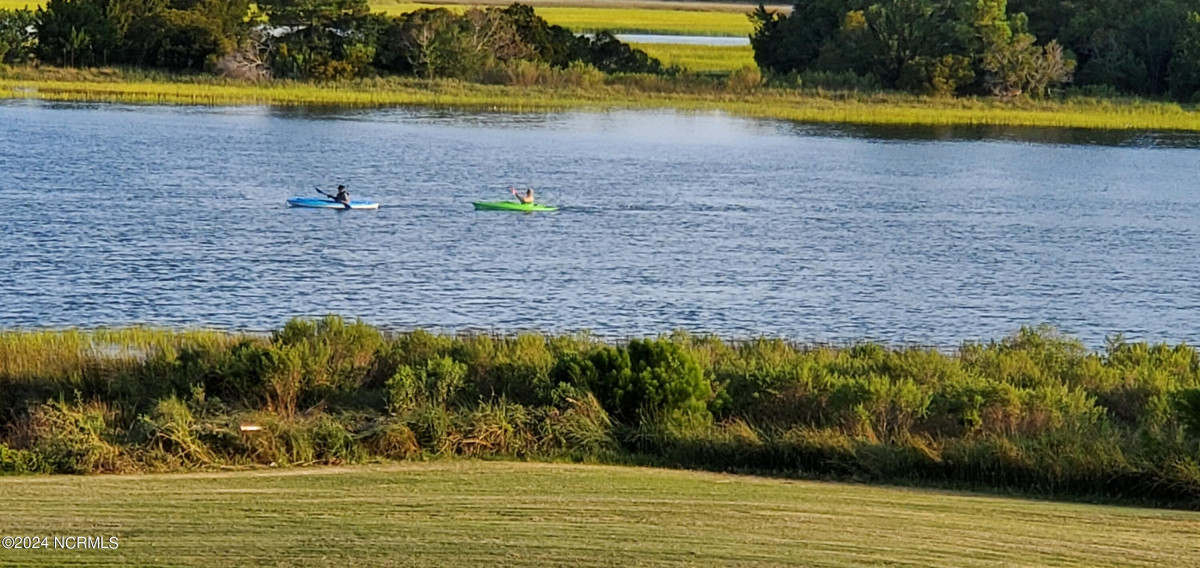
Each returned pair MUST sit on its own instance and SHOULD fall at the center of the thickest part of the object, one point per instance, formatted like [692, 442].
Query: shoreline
[815, 107]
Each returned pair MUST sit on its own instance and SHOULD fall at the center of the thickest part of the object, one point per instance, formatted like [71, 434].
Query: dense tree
[17, 42]
[611, 55]
[555, 45]
[441, 43]
[76, 32]
[794, 43]
[321, 39]
[175, 39]
[937, 47]
[1124, 45]
[1185, 65]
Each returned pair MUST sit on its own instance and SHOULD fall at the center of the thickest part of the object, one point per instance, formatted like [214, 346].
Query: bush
[172, 430]
[654, 376]
[76, 438]
[939, 77]
[19, 461]
[1187, 407]
[391, 440]
[437, 384]
[744, 80]
[584, 428]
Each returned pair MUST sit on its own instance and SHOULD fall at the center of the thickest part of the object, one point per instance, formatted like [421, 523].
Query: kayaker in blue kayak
[527, 198]
[342, 196]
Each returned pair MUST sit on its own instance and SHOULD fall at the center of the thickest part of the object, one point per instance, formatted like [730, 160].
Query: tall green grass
[1034, 412]
[688, 93]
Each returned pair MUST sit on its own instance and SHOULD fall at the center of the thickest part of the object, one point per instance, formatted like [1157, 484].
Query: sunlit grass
[470, 513]
[66, 353]
[650, 93]
[621, 20]
[705, 58]
[18, 4]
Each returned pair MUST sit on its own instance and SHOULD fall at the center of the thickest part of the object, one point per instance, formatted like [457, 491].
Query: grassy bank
[1035, 413]
[701, 58]
[470, 513]
[553, 91]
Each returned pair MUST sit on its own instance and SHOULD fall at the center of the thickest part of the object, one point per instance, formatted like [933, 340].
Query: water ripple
[175, 216]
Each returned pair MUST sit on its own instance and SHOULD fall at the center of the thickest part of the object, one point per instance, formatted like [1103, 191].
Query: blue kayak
[325, 203]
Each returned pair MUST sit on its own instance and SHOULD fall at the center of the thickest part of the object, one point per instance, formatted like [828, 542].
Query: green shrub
[19, 461]
[744, 80]
[391, 440]
[76, 438]
[437, 384]
[172, 430]
[493, 428]
[649, 376]
[332, 443]
[1187, 408]
[583, 428]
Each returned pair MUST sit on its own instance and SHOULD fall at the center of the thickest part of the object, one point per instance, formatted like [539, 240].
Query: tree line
[1031, 47]
[301, 39]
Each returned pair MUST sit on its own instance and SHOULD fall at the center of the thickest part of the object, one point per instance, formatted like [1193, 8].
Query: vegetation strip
[468, 513]
[635, 93]
[1034, 413]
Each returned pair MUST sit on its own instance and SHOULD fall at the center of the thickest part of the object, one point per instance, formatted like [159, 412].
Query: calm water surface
[176, 216]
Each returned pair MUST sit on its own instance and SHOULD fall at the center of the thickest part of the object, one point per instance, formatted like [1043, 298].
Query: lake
[175, 216]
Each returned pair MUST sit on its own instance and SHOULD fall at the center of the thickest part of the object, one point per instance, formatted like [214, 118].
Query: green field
[701, 57]
[471, 513]
[18, 4]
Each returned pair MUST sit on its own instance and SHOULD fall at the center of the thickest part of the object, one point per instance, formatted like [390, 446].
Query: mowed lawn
[472, 513]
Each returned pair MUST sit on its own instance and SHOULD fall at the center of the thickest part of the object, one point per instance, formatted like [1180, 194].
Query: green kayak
[510, 206]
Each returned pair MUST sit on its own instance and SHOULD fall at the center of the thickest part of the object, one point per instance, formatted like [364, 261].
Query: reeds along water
[1035, 412]
[530, 88]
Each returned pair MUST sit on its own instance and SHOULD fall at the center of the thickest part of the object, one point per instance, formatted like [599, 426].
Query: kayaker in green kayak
[527, 198]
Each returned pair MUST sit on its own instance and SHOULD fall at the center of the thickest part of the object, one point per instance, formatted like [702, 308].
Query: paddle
[347, 205]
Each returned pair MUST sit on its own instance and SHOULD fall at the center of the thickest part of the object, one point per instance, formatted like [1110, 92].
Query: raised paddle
[347, 205]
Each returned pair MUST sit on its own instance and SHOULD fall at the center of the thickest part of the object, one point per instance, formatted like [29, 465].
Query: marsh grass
[688, 93]
[703, 58]
[667, 18]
